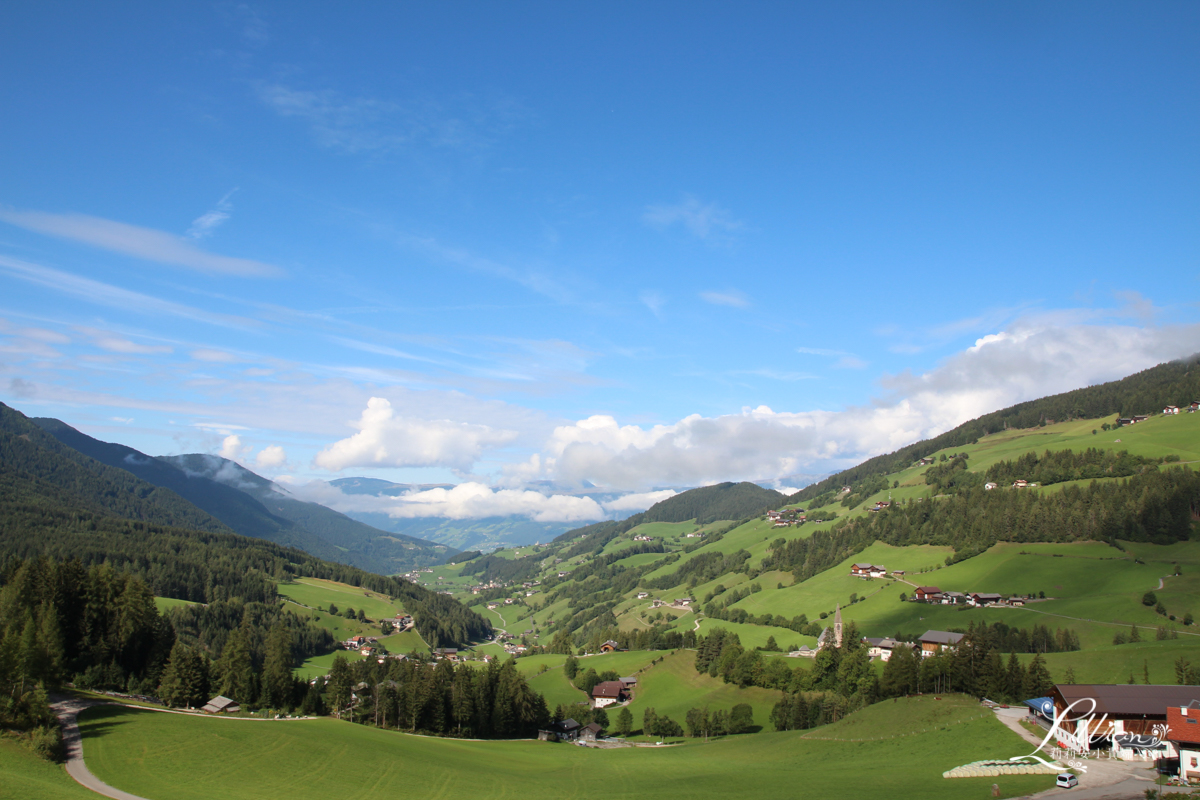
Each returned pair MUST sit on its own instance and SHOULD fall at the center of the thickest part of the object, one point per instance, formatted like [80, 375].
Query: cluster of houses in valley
[935, 596]
[787, 517]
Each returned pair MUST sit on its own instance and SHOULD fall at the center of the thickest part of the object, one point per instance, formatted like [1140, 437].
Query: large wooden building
[1131, 719]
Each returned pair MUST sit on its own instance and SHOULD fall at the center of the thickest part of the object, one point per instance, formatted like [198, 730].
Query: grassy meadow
[24, 776]
[170, 757]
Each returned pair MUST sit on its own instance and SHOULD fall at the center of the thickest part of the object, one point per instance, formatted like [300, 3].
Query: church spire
[837, 625]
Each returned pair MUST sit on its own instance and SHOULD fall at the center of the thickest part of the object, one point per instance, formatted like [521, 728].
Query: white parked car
[1066, 780]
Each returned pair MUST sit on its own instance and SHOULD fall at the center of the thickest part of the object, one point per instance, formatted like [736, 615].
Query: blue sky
[642, 245]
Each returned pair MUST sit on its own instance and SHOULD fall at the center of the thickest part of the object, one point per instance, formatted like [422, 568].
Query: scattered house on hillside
[933, 642]
[221, 705]
[845, 490]
[657, 603]
[899, 573]
[924, 462]
[681, 602]
[989, 485]
[1015, 600]
[562, 574]
[954, 598]
[882, 648]
[565, 731]
[641, 537]
[354, 642]
[927, 594]
[609, 647]
[628, 683]
[1020, 483]
[606, 693]
[448, 653]
[1184, 724]
[642, 595]
[1133, 717]
[590, 732]
[508, 601]
[1194, 406]
[804, 652]
[493, 606]
[1171, 410]
[867, 570]
[693, 535]
[980, 599]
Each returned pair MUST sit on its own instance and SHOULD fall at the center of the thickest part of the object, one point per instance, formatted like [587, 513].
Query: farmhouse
[641, 538]
[1184, 725]
[1130, 717]
[221, 705]
[1020, 483]
[927, 594]
[448, 653]
[642, 595]
[628, 683]
[606, 693]
[933, 642]
[1195, 406]
[881, 648]
[989, 485]
[1171, 410]
[609, 647]
[565, 731]
[980, 599]
[953, 598]
[867, 570]
[590, 732]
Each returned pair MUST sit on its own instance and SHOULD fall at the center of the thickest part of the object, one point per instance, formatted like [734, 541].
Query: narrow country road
[67, 710]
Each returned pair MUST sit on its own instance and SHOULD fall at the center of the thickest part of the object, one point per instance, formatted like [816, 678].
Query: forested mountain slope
[253, 506]
[60, 503]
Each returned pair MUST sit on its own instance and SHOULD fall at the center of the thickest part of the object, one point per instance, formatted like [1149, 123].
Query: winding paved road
[67, 710]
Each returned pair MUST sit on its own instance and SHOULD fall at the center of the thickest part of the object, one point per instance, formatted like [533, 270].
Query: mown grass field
[24, 776]
[319, 594]
[164, 604]
[171, 757]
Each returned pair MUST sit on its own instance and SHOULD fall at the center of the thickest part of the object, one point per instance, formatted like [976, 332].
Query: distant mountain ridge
[246, 503]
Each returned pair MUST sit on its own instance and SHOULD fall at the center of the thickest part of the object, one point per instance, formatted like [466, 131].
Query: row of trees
[492, 701]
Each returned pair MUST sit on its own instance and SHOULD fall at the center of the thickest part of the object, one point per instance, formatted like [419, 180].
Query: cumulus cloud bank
[385, 440]
[1031, 360]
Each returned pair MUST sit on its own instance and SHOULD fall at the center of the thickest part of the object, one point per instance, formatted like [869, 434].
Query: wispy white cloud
[214, 356]
[113, 296]
[652, 300]
[144, 243]
[206, 223]
[362, 124]
[730, 297]
[845, 360]
[701, 219]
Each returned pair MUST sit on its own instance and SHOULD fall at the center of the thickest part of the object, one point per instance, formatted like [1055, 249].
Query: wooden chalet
[609, 647]
[983, 598]
[590, 732]
[867, 570]
[934, 642]
[927, 594]
[221, 705]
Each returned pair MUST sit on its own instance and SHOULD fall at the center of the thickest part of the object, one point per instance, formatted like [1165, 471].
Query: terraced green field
[173, 757]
